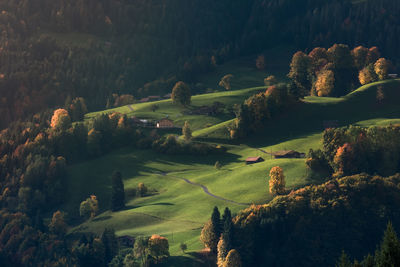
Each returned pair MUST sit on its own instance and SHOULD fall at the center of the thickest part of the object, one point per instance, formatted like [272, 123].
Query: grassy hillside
[179, 209]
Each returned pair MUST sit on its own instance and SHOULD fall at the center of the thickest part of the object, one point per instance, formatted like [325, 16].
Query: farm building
[167, 96]
[165, 123]
[393, 75]
[252, 160]
[288, 154]
[144, 100]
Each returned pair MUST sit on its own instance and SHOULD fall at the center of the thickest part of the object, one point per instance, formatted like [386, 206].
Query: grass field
[179, 209]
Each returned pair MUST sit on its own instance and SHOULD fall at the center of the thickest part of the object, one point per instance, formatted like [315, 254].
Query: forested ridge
[136, 42]
[60, 59]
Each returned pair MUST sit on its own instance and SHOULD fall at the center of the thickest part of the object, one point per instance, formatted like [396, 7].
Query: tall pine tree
[118, 192]
[389, 252]
[216, 226]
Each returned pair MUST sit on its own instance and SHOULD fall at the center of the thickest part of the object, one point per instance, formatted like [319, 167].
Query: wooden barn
[288, 154]
[252, 160]
[165, 123]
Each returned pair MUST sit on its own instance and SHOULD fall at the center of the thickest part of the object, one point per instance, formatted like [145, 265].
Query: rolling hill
[181, 204]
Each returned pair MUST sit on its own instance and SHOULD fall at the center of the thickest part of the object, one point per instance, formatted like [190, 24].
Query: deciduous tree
[325, 83]
[181, 94]
[381, 67]
[158, 248]
[57, 224]
[300, 68]
[60, 120]
[186, 131]
[226, 81]
[233, 259]
[276, 181]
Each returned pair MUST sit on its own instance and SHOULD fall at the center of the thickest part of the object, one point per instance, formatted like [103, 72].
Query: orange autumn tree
[158, 248]
[381, 67]
[276, 181]
[325, 83]
[60, 120]
[367, 75]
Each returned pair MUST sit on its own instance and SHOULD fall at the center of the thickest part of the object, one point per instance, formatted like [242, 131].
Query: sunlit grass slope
[178, 209]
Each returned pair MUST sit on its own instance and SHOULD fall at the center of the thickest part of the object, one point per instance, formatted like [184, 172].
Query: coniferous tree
[118, 192]
[227, 233]
[343, 261]
[110, 243]
[216, 226]
[389, 252]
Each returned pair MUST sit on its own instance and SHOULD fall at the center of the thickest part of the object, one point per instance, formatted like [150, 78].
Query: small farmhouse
[393, 75]
[288, 154]
[252, 160]
[165, 123]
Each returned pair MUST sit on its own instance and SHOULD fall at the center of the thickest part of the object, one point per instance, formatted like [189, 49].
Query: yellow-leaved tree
[276, 181]
[60, 120]
[325, 83]
[382, 68]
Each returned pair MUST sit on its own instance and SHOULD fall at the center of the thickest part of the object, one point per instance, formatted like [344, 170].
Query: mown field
[178, 209]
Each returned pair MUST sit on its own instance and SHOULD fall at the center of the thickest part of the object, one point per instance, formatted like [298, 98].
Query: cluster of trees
[354, 149]
[336, 71]
[217, 235]
[387, 254]
[171, 145]
[279, 233]
[36, 71]
[254, 114]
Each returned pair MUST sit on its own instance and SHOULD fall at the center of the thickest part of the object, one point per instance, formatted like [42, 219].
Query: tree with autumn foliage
[360, 56]
[381, 68]
[300, 68]
[181, 94]
[225, 82]
[158, 248]
[325, 83]
[276, 181]
[367, 75]
[89, 207]
[57, 224]
[60, 120]
[186, 131]
[233, 259]
[208, 236]
[222, 252]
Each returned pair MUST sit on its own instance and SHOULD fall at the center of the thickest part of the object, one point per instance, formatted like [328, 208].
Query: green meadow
[177, 209]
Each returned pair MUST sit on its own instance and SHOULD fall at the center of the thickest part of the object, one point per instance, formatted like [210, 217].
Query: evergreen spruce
[344, 260]
[118, 192]
[227, 233]
[110, 243]
[389, 252]
[216, 226]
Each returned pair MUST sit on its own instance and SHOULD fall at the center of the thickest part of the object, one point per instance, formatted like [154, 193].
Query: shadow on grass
[104, 218]
[128, 207]
[190, 259]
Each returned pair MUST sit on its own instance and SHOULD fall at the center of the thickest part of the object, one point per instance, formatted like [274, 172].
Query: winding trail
[130, 107]
[263, 151]
[205, 189]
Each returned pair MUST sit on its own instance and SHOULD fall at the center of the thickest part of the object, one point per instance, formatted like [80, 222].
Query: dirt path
[130, 107]
[263, 151]
[206, 190]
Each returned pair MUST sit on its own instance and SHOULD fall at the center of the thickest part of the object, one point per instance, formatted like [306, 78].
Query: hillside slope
[179, 209]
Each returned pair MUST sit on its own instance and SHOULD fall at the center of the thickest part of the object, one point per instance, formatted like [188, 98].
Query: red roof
[253, 158]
